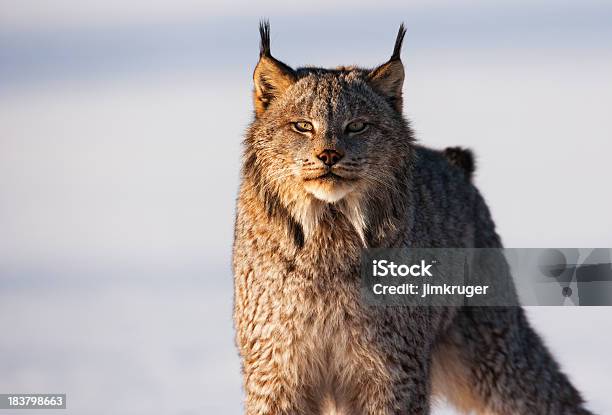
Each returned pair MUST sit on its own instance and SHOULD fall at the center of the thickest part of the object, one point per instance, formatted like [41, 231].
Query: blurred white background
[120, 130]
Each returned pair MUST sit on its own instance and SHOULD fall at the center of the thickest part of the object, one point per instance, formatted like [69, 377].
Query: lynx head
[326, 138]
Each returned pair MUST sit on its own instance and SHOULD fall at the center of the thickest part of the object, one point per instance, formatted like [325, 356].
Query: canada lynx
[330, 166]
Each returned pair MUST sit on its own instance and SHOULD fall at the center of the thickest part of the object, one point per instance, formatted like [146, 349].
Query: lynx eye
[356, 127]
[303, 126]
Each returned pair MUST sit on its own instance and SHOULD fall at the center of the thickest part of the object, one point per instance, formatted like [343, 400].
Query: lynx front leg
[375, 394]
[387, 377]
[269, 391]
[270, 369]
[406, 392]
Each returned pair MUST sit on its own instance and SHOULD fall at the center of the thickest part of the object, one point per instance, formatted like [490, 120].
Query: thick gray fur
[308, 342]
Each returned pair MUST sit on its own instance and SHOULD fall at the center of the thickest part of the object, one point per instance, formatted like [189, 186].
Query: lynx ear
[271, 76]
[388, 78]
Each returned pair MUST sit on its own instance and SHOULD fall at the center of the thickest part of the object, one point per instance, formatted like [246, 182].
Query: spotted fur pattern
[308, 342]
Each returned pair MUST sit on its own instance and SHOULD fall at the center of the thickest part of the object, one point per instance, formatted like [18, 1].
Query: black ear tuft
[398, 43]
[462, 158]
[271, 77]
[264, 33]
[388, 78]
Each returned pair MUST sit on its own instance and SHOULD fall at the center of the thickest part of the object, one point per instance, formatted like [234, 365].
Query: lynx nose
[330, 157]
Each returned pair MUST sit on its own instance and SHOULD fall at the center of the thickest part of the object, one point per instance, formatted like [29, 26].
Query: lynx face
[325, 137]
[331, 134]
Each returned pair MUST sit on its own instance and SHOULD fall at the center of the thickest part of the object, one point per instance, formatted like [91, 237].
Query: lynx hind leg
[492, 362]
